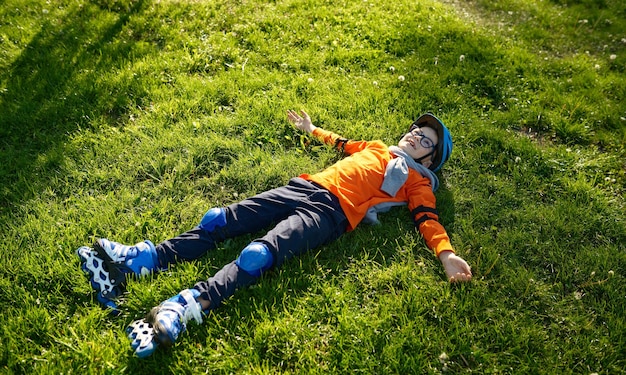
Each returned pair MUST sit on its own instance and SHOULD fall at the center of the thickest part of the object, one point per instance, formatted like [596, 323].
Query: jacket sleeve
[422, 204]
[342, 144]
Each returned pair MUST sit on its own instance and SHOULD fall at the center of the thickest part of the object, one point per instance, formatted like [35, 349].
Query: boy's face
[420, 144]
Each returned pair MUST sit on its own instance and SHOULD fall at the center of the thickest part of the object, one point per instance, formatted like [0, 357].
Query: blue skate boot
[108, 263]
[164, 323]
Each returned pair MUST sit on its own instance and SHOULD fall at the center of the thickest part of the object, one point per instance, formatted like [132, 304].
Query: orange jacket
[356, 180]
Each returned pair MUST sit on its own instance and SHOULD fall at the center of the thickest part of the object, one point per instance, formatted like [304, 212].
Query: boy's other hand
[457, 269]
[301, 120]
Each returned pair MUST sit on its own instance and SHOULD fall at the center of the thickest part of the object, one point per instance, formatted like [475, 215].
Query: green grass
[129, 119]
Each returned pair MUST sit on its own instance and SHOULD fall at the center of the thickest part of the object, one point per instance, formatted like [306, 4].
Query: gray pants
[301, 216]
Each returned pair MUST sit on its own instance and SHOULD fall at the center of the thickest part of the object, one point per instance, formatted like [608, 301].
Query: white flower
[401, 78]
[375, 83]
[443, 357]
[391, 68]
[462, 57]
[578, 295]
[518, 159]
[310, 80]
[613, 57]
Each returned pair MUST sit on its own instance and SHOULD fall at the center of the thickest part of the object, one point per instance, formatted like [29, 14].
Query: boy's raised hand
[457, 269]
[301, 120]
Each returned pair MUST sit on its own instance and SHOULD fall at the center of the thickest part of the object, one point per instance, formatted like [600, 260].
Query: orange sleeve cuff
[443, 246]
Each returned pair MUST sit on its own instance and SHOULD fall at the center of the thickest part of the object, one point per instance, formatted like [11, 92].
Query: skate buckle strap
[193, 310]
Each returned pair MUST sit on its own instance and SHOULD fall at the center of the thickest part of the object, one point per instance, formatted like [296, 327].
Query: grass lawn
[128, 119]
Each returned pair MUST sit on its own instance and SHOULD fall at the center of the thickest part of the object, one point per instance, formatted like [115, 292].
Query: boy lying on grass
[311, 210]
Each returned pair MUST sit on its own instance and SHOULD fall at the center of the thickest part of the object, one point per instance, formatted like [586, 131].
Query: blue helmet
[444, 146]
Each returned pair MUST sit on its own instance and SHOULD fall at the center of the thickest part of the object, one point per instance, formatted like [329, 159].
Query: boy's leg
[167, 321]
[318, 220]
[108, 263]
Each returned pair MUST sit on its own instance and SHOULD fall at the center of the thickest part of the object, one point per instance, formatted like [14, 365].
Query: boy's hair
[444, 145]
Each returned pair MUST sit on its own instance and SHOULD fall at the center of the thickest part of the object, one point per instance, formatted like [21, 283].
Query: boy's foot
[164, 324]
[108, 263]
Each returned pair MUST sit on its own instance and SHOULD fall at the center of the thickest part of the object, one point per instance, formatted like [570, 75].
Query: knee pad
[215, 217]
[255, 259]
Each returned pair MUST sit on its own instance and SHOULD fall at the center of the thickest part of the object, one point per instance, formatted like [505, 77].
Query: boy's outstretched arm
[457, 269]
[301, 120]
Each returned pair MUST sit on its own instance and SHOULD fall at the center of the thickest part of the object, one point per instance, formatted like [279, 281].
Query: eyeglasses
[424, 140]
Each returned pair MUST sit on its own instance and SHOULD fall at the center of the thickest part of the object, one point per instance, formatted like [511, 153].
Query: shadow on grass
[52, 90]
